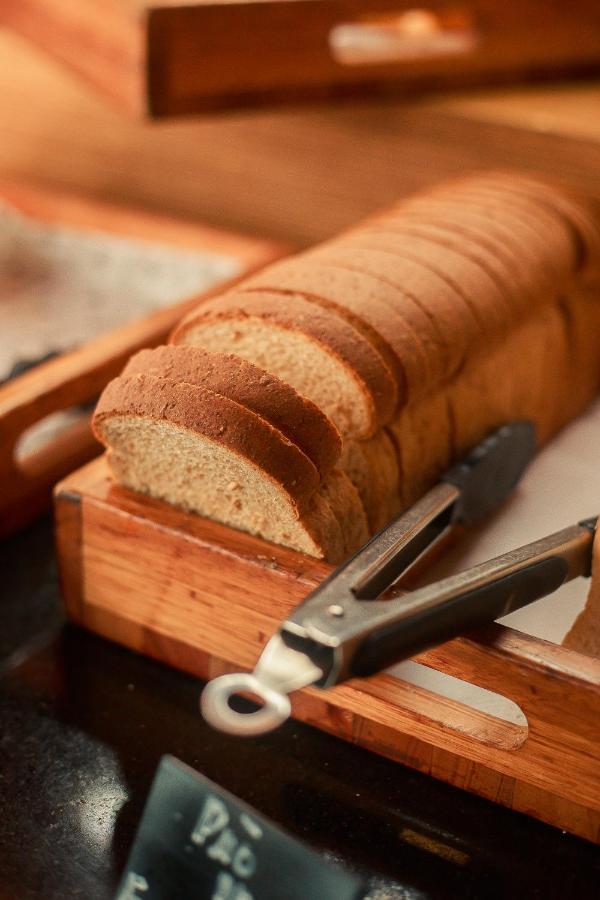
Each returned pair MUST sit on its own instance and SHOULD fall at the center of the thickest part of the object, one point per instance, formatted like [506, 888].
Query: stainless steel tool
[344, 629]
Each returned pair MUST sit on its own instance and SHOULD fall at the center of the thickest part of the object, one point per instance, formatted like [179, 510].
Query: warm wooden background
[296, 174]
[166, 57]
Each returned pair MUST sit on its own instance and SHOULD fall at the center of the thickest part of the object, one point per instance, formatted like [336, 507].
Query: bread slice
[423, 434]
[580, 215]
[493, 266]
[437, 311]
[217, 418]
[297, 418]
[584, 635]
[317, 352]
[344, 500]
[372, 466]
[485, 310]
[361, 300]
[205, 453]
[476, 234]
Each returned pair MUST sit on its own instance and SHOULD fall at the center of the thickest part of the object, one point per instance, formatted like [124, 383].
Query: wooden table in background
[297, 174]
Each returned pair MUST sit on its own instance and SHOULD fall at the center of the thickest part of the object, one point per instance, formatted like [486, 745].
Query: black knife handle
[488, 474]
[438, 624]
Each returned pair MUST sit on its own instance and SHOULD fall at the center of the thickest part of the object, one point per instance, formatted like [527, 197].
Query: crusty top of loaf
[324, 326]
[580, 213]
[214, 416]
[296, 417]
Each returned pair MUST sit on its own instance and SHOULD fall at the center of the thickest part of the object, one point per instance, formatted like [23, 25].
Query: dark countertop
[83, 724]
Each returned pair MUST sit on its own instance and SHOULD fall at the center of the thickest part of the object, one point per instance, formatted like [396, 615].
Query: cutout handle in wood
[222, 54]
[419, 33]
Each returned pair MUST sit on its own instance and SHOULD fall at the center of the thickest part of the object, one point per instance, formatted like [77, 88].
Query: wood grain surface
[204, 598]
[163, 57]
[295, 175]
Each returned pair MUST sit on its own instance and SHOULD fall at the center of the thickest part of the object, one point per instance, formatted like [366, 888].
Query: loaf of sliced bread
[328, 391]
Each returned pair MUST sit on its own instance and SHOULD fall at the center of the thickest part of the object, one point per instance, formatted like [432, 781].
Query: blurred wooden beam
[290, 174]
[167, 57]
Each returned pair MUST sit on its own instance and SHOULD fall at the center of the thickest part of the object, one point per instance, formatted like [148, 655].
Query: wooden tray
[205, 598]
[161, 57]
[77, 377]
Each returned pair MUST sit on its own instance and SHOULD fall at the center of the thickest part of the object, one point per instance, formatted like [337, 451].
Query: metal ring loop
[214, 704]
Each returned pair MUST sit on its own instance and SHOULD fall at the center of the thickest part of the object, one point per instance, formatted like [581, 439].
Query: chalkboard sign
[198, 841]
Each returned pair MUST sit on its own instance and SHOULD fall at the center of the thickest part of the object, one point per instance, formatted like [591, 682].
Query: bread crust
[579, 214]
[532, 227]
[535, 219]
[374, 304]
[469, 290]
[423, 436]
[468, 249]
[347, 506]
[431, 328]
[372, 466]
[524, 278]
[297, 418]
[214, 416]
[381, 256]
[295, 313]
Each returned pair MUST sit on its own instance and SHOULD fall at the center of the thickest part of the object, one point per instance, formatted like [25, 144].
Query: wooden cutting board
[205, 598]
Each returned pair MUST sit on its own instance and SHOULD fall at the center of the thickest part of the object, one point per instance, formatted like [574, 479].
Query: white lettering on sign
[214, 831]
[252, 827]
[244, 862]
[213, 818]
[228, 889]
[133, 883]
[224, 847]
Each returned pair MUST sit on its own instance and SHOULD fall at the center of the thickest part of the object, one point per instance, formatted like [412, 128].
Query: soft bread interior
[314, 371]
[196, 473]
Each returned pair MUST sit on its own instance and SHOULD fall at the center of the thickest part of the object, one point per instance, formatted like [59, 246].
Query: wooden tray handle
[557, 689]
[213, 55]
